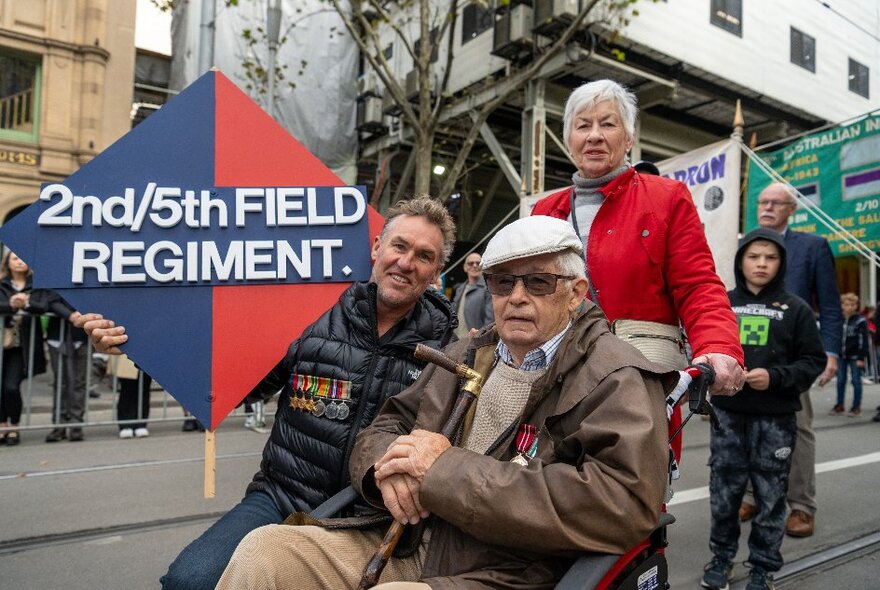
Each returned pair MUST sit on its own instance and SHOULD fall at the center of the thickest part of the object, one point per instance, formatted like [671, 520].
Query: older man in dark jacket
[564, 452]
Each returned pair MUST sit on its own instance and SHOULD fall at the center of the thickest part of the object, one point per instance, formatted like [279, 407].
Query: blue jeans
[200, 565]
[856, 381]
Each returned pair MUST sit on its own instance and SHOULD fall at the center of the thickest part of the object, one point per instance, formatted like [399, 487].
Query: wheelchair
[643, 567]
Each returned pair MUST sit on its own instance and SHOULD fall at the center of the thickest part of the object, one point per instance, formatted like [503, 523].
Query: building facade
[795, 66]
[66, 78]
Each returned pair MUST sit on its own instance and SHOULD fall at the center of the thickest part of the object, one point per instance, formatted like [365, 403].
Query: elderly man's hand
[106, 336]
[729, 376]
[829, 372]
[400, 494]
[412, 454]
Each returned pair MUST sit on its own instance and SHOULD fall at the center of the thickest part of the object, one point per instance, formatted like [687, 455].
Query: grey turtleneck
[588, 199]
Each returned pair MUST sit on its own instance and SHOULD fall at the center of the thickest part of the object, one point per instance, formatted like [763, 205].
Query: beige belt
[660, 343]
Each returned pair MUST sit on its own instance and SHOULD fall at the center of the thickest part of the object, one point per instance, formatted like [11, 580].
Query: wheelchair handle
[702, 376]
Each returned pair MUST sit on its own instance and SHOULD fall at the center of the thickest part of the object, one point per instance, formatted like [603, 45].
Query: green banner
[838, 170]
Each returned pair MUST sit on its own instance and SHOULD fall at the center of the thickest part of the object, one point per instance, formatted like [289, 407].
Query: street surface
[111, 513]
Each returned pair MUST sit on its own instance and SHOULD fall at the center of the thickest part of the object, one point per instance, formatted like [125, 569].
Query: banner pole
[210, 463]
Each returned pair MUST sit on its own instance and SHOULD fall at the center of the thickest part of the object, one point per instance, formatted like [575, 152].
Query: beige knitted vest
[500, 403]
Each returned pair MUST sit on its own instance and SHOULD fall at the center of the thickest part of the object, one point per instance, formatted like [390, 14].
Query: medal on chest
[526, 444]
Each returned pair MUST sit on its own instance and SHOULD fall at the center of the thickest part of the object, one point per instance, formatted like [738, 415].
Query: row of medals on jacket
[317, 407]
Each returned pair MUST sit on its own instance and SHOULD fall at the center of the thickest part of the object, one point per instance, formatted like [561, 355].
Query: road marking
[30, 474]
[695, 494]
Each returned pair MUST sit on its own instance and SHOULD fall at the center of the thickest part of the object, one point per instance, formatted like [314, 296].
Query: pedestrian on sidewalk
[69, 354]
[854, 351]
[134, 397]
[783, 353]
[16, 286]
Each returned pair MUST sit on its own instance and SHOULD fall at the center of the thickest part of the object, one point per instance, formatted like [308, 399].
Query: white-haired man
[564, 451]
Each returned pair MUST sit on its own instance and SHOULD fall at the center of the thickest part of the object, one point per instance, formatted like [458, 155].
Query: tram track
[796, 572]
[89, 535]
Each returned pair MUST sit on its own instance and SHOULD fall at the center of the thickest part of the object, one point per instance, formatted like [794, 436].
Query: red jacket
[649, 260]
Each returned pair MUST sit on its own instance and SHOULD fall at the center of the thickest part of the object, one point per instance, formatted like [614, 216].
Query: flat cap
[530, 236]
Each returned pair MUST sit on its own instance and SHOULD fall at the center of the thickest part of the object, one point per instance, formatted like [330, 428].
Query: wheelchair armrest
[335, 504]
[591, 568]
[587, 571]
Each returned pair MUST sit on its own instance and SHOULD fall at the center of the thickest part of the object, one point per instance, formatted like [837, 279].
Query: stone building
[66, 79]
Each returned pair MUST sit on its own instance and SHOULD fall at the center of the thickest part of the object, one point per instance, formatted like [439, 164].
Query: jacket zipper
[362, 405]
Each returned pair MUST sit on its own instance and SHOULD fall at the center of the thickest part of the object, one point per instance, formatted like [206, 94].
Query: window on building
[19, 97]
[388, 52]
[858, 78]
[434, 49]
[803, 50]
[727, 14]
[475, 19]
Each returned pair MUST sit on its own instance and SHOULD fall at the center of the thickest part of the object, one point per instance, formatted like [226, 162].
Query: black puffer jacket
[305, 460]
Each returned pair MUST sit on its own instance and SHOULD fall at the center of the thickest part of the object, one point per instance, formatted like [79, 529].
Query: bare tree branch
[514, 84]
[379, 63]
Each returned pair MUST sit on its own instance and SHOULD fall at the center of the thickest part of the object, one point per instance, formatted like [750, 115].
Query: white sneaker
[126, 433]
[141, 433]
[249, 422]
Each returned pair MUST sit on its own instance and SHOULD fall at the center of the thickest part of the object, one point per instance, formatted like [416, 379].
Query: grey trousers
[69, 366]
[802, 479]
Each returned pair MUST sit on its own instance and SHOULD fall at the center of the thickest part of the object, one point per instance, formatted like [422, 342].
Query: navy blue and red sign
[210, 233]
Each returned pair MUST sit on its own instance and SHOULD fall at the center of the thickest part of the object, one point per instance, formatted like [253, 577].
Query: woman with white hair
[648, 262]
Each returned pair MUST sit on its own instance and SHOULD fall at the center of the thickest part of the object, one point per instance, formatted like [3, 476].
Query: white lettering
[314, 218]
[51, 216]
[340, 193]
[81, 262]
[253, 259]
[121, 259]
[242, 206]
[290, 199]
[173, 265]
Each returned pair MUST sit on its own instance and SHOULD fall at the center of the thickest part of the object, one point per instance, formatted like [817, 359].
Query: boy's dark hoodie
[778, 332]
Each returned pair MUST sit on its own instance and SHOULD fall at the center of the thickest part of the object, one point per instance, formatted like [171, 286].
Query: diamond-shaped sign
[210, 233]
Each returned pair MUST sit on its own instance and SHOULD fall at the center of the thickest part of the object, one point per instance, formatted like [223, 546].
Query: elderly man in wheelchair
[563, 453]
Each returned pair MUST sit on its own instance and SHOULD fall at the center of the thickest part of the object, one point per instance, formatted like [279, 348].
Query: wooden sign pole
[210, 463]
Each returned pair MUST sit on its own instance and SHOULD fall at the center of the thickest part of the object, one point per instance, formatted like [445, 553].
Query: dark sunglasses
[536, 283]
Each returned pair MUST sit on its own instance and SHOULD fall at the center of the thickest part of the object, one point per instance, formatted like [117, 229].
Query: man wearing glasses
[471, 300]
[564, 451]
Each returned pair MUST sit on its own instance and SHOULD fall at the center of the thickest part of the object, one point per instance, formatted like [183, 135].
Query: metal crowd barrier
[35, 387]
[871, 371]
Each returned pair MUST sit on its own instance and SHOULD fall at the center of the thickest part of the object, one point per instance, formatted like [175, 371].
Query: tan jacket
[596, 483]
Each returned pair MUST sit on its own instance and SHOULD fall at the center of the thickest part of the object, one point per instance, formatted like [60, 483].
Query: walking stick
[469, 391]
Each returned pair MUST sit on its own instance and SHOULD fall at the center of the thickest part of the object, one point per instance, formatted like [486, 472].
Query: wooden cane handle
[374, 568]
[431, 355]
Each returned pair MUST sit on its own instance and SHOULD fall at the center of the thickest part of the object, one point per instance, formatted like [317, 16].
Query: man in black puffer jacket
[333, 381]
